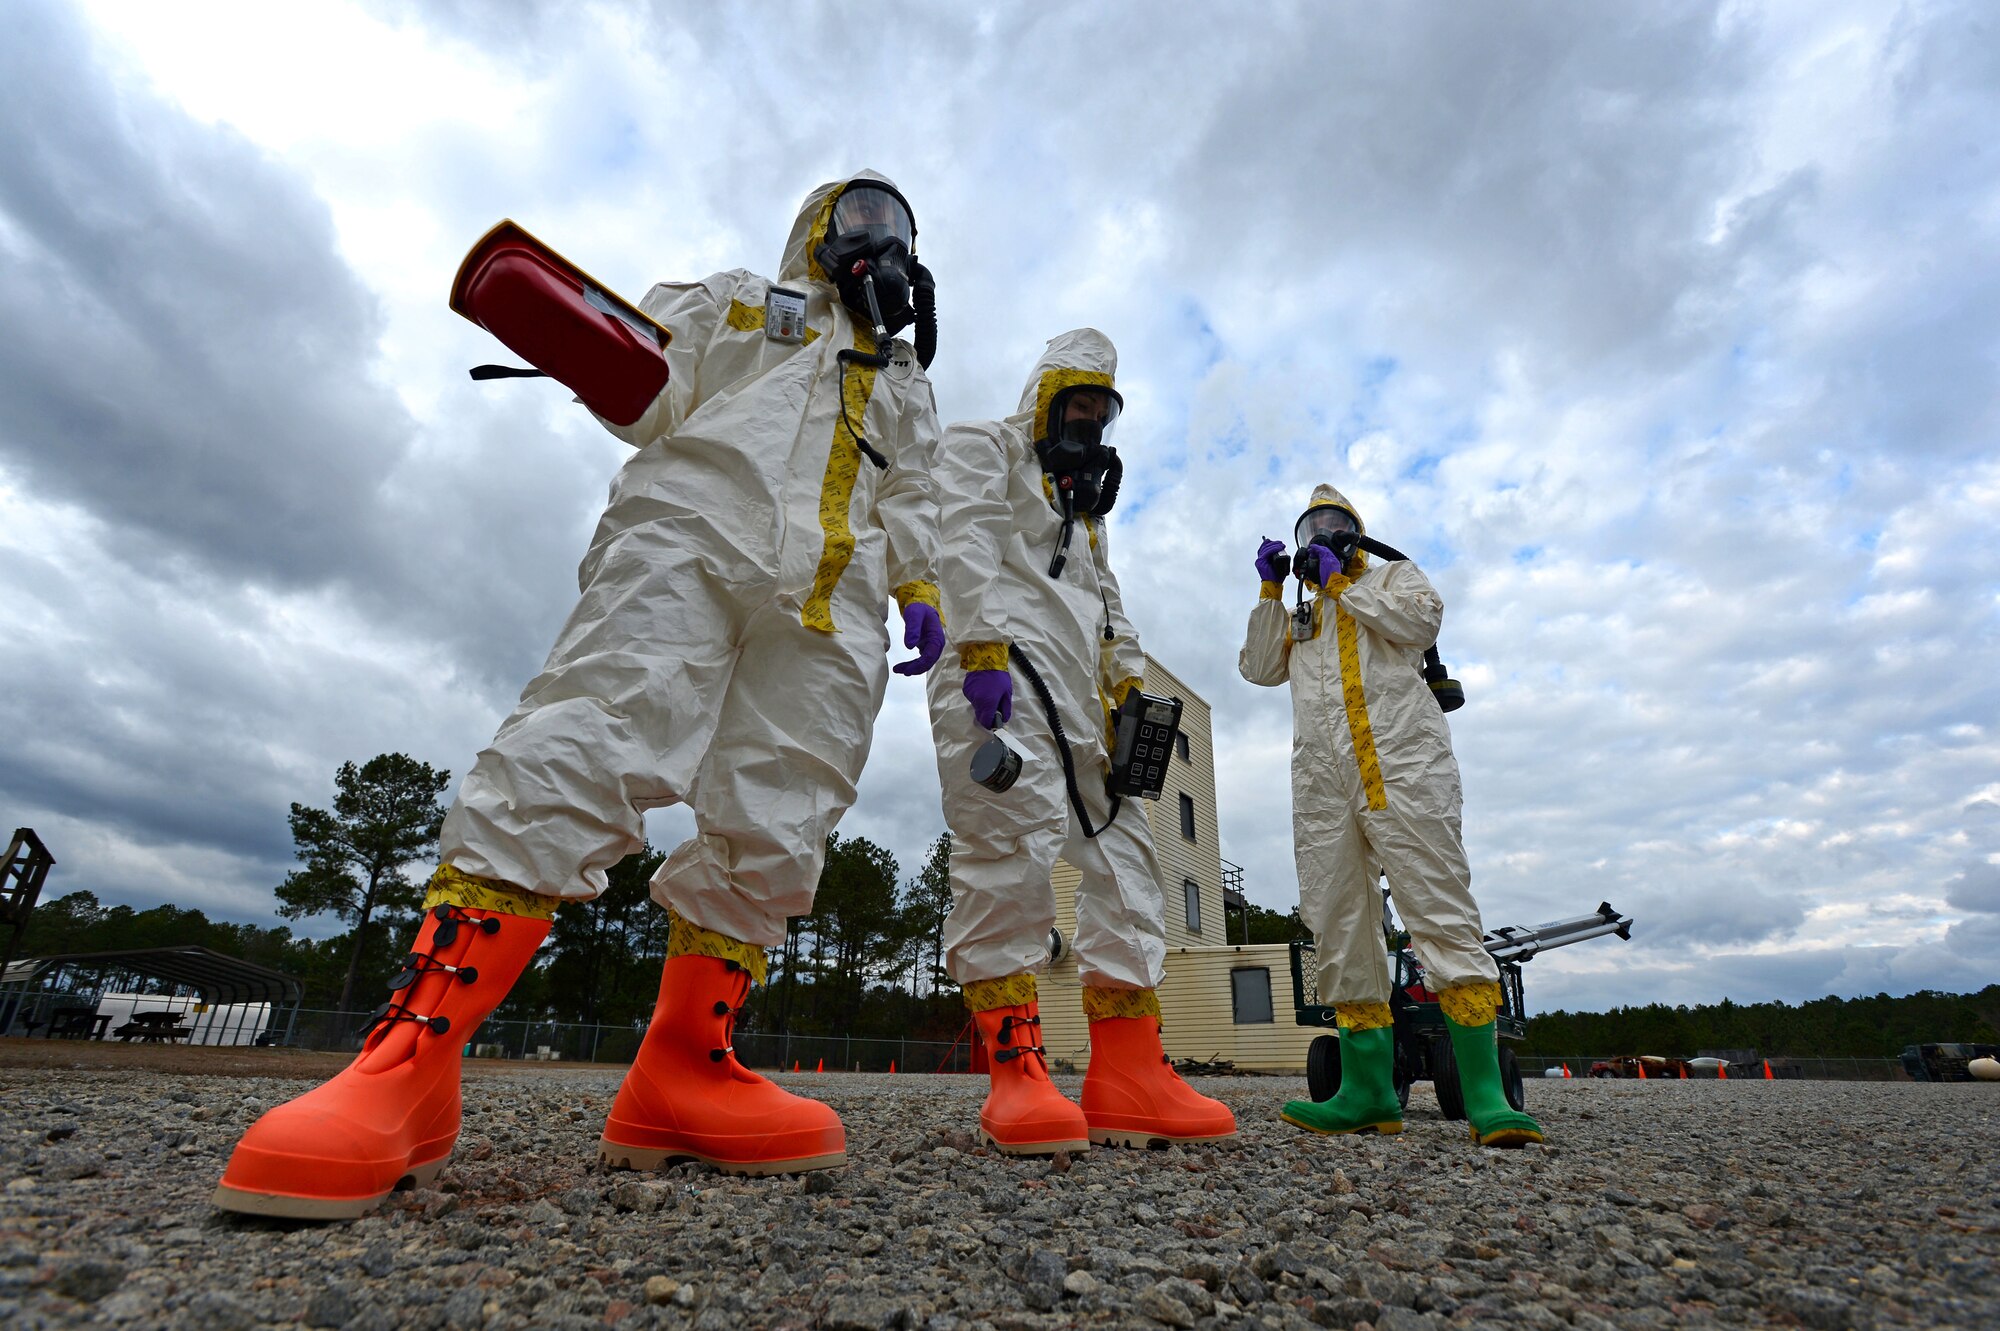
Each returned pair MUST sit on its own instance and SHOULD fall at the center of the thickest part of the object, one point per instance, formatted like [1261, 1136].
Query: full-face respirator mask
[1331, 528]
[1083, 470]
[869, 256]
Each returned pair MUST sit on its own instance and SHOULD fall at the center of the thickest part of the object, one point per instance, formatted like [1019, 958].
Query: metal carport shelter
[216, 979]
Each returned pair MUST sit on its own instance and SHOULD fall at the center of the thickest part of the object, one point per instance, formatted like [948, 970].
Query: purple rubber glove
[1318, 563]
[923, 630]
[1267, 553]
[991, 693]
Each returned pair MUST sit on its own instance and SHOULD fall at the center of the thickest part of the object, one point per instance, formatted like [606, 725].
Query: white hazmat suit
[999, 529]
[1374, 781]
[729, 647]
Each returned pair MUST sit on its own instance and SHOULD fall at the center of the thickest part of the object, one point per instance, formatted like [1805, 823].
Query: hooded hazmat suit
[1374, 782]
[729, 648]
[998, 528]
[728, 651]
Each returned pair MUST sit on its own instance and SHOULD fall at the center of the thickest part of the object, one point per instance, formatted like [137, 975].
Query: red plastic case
[564, 322]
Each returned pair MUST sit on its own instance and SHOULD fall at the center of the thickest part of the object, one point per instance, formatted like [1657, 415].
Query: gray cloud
[183, 353]
[1977, 890]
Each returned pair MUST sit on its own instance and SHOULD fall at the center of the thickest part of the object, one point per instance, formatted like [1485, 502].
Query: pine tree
[385, 814]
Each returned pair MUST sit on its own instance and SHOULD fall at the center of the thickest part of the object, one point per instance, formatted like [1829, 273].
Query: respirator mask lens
[1084, 414]
[1327, 521]
[873, 210]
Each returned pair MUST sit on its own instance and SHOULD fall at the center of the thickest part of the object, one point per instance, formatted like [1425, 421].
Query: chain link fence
[578, 1042]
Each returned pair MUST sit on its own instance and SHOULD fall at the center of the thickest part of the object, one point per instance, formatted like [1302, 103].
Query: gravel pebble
[89, 1281]
[1816, 1205]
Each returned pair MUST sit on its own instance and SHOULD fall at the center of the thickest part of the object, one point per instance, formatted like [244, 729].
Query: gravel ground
[1823, 1205]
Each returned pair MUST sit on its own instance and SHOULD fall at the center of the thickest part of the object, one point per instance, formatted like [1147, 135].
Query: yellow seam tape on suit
[688, 939]
[843, 466]
[1053, 382]
[1104, 1004]
[982, 656]
[1349, 633]
[750, 318]
[1470, 1004]
[1363, 1016]
[449, 887]
[1007, 991]
[817, 236]
[918, 593]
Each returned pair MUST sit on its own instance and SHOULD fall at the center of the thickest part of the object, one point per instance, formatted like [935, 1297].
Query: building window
[1187, 816]
[1191, 891]
[1180, 744]
[1250, 995]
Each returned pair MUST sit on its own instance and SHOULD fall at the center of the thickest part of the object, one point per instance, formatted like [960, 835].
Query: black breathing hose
[924, 289]
[1107, 491]
[1434, 668]
[1062, 745]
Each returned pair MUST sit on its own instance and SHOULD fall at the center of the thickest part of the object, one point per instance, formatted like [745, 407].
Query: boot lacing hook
[728, 1014]
[1007, 1025]
[419, 964]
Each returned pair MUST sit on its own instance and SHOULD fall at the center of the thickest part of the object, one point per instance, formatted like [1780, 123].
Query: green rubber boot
[1494, 1121]
[1366, 1101]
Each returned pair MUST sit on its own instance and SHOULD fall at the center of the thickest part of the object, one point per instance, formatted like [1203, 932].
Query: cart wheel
[1444, 1080]
[1510, 1080]
[1323, 1067]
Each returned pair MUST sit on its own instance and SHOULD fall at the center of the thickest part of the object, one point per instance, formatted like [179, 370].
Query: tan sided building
[1218, 1001]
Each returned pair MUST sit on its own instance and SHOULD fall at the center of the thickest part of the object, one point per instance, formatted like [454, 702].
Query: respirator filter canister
[996, 764]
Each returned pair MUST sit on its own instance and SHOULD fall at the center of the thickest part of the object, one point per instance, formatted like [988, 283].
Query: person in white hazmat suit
[1374, 783]
[1000, 528]
[729, 652]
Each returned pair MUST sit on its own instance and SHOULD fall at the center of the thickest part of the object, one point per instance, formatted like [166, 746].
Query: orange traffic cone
[1642, 1069]
[795, 1065]
[1566, 1072]
[892, 1067]
[821, 1067]
[1767, 1071]
[1684, 1072]
[1722, 1072]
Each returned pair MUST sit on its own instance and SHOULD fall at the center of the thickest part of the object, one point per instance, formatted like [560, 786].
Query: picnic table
[78, 1023]
[154, 1027]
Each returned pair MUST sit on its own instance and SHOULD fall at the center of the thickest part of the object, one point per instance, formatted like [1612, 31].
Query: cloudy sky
[1664, 336]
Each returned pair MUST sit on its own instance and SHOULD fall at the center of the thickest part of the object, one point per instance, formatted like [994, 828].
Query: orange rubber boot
[687, 1097]
[1024, 1113]
[338, 1150]
[1133, 1097]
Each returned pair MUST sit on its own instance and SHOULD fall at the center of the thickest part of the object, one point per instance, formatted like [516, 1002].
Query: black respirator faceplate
[880, 250]
[1085, 469]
